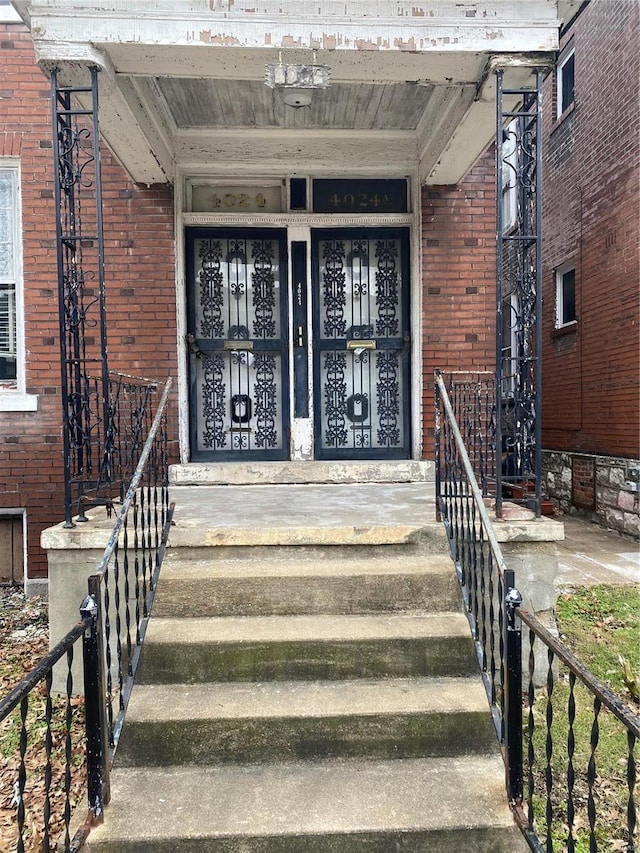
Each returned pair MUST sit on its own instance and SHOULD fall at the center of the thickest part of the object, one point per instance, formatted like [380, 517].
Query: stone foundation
[614, 505]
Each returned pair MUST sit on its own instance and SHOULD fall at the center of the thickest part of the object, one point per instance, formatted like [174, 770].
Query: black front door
[237, 344]
[361, 343]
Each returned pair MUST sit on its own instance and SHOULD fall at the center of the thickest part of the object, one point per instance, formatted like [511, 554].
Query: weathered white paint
[181, 318]
[442, 44]
[277, 151]
[505, 26]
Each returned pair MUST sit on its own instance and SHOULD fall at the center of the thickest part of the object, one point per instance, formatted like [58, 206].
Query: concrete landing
[355, 514]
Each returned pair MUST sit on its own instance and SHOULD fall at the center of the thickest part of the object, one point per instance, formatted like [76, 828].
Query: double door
[267, 343]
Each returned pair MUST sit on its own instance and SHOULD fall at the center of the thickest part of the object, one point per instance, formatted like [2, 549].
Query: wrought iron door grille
[237, 347]
[361, 338]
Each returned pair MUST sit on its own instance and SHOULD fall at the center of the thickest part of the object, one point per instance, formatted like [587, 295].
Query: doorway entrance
[242, 326]
[361, 343]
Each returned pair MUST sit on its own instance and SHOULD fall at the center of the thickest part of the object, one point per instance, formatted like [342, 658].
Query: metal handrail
[95, 628]
[495, 614]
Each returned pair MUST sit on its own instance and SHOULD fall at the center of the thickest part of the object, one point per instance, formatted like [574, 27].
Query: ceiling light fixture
[297, 81]
[297, 98]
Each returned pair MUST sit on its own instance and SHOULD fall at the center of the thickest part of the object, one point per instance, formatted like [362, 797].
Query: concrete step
[279, 473]
[448, 805]
[263, 648]
[200, 724]
[309, 584]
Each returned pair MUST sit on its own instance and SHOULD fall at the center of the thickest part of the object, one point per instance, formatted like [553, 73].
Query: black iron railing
[473, 400]
[113, 623]
[104, 453]
[566, 793]
[519, 287]
[552, 783]
[105, 415]
[44, 767]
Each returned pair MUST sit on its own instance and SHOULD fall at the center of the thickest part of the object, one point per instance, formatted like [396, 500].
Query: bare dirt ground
[24, 640]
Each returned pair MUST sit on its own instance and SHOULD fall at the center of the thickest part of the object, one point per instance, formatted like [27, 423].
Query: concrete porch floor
[367, 513]
[587, 553]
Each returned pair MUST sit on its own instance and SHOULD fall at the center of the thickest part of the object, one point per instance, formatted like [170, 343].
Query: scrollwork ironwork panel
[363, 365]
[519, 280]
[105, 415]
[239, 406]
[362, 399]
[236, 351]
[237, 282]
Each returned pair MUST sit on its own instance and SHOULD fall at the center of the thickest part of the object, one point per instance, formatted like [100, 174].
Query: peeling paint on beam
[294, 31]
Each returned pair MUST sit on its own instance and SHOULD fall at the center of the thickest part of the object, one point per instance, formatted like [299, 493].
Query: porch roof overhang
[182, 83]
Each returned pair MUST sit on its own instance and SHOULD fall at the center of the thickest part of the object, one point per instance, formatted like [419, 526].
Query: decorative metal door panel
[237, 344]
[361, 344]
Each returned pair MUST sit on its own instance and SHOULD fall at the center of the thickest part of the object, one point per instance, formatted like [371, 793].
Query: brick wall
[139, 249]
[458, 280]
[592, 216]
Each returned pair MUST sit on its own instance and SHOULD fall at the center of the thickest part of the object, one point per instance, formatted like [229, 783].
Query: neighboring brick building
[591, 267]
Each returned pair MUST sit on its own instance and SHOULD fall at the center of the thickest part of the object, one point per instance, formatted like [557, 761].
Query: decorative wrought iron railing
[519, 286]
[551, 779]
[113, 623]
[105, 415]
[104, 453]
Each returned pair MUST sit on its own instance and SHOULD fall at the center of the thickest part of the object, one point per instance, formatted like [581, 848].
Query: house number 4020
[240, 201]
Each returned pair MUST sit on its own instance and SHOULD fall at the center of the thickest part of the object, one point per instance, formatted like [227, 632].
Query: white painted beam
[239, 63]
[502, 25]
[135, 138]
[279, 152]
[476, 129]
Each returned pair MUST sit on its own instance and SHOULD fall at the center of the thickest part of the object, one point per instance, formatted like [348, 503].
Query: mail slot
[361, 344]
[238, 345]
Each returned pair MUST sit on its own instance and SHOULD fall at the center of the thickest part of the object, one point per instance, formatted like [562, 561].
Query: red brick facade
[458, 287]
[138, 227]
[459, 280]
[591, 210]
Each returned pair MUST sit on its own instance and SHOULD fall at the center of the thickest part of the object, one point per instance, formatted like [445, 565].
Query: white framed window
[565, 77]
[13, 396]
[566, 295]
[510, 318]
[509, 175]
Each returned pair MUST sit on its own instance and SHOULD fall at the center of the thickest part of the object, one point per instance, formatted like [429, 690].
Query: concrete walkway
[590, 554]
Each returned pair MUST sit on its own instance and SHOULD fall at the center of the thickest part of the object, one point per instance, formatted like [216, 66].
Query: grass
[600, 625]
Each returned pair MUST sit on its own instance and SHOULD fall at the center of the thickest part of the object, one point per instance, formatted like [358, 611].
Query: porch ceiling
[183, 80]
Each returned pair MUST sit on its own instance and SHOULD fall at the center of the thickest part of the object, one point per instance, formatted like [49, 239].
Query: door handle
[191, 343]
